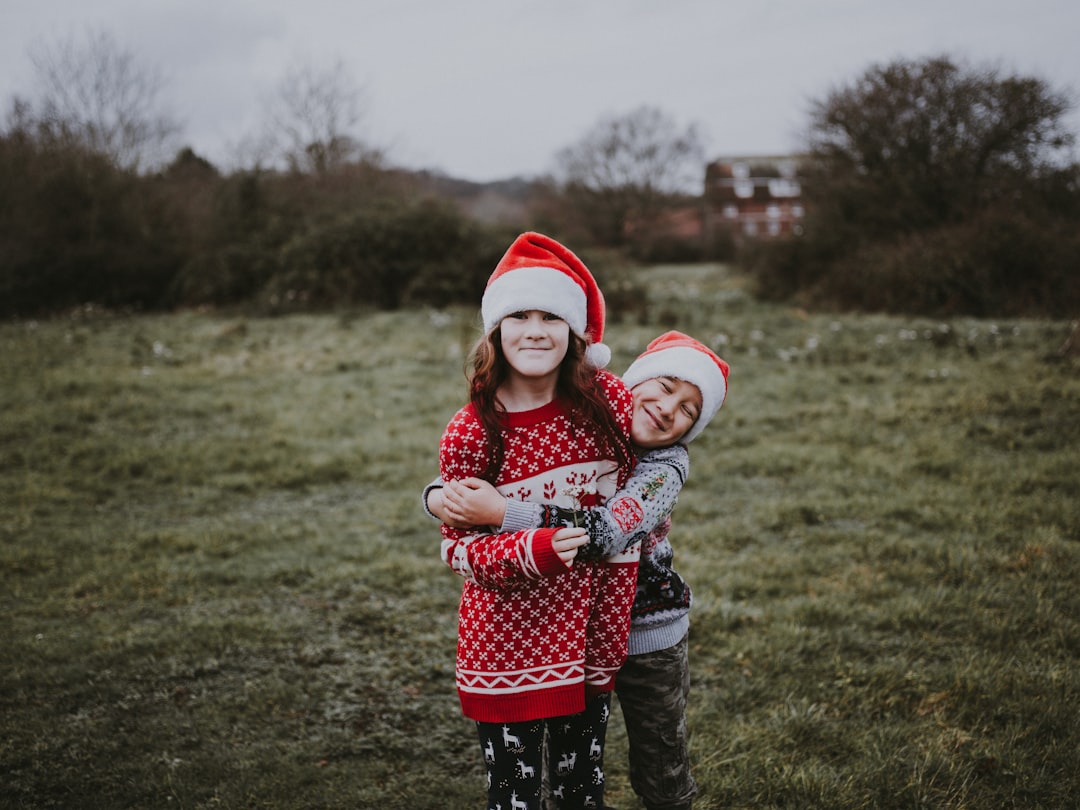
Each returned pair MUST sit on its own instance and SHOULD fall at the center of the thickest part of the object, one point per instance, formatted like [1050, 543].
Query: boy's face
[664, 409]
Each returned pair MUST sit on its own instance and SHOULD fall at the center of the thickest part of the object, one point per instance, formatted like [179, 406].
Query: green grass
[218, 588]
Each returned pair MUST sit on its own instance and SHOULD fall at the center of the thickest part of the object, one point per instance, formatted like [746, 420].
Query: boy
[678, 384]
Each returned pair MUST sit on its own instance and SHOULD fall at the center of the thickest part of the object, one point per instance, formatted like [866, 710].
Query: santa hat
[539, 273]
[674, 354]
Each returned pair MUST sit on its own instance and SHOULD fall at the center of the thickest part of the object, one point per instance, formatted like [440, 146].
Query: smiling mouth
[657, 423]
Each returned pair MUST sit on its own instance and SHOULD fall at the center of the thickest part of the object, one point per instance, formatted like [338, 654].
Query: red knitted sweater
[534, 636]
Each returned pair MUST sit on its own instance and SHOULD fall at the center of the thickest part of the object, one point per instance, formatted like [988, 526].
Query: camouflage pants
[652, 691]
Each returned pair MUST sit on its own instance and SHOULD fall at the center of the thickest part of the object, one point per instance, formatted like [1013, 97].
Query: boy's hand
[472, 502]
[434, 502]
[566, 542]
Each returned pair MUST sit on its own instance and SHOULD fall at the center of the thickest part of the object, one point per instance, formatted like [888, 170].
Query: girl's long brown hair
[578, 384]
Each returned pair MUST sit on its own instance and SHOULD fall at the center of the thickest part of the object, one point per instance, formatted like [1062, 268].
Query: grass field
[218, 589]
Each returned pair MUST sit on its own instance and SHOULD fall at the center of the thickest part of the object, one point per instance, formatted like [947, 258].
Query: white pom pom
[598, 354]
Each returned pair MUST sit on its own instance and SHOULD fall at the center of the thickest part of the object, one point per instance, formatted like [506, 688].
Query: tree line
[934, 187]
[930, 187]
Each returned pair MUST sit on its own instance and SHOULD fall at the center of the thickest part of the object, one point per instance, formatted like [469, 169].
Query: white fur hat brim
[683, 363]
[543, 288]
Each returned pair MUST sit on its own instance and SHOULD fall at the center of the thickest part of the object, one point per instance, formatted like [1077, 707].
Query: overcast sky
[490, 89]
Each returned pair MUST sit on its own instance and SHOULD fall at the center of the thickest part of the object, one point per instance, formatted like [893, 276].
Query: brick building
[753, 197]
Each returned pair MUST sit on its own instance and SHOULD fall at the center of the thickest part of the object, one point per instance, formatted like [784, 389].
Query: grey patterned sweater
[641, 510]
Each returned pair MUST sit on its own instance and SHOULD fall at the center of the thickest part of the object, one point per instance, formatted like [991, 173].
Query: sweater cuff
[436, 484]
[547, 561]
[520, 515]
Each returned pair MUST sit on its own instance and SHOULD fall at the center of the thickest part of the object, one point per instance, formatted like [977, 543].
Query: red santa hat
[539, 273]
[674, 354]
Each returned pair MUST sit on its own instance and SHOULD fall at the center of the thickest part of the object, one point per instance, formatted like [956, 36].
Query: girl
[541, 633]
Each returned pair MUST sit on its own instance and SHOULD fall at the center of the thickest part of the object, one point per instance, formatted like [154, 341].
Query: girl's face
[534, 342]
[664, 410]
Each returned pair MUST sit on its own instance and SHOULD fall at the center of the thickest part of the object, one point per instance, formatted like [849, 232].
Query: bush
[784, 268]
[77, 230]
[230, 275]
[398, 253]
[1000, 263]
[668, 249]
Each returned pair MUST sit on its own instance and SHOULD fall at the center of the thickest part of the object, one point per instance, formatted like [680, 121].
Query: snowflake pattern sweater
[534, 636]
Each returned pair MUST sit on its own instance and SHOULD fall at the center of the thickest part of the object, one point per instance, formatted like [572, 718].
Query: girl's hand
[566, 542]
[472, 502]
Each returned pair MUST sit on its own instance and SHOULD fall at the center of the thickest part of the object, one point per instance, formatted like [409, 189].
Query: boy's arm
[630, 514]
[431, 499]
[515, 514]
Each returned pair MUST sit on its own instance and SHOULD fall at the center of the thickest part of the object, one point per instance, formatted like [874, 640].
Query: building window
[784, 188]
[744, 189]
[731, 212]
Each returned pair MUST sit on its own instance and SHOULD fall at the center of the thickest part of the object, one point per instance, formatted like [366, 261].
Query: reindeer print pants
[514, 755]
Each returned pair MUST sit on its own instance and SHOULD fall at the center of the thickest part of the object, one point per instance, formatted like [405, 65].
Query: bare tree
[626, 168]
[313, 118]
[935, 187]
[914, 144]
[96, 95]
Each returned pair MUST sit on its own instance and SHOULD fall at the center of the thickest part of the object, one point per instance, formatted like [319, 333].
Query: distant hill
[498, 201]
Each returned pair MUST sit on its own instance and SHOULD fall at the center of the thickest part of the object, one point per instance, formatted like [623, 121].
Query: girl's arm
[512, 560]
[504, 560]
